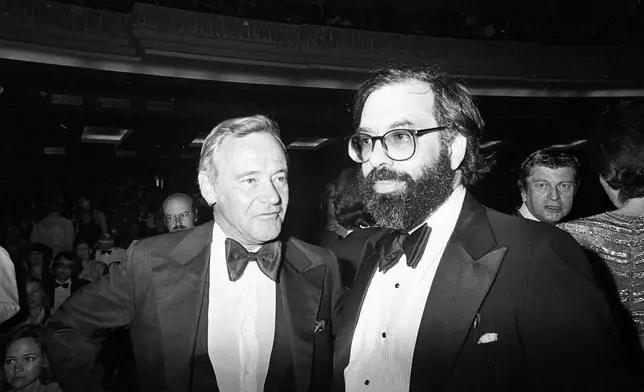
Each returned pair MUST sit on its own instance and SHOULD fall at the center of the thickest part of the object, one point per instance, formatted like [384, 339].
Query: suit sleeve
[568, 334]
[77, 330]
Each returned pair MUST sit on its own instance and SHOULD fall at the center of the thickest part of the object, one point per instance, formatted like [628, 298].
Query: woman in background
[25, 364]
[617, 237]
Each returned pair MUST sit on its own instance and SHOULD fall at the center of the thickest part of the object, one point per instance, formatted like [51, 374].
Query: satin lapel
[281, 354]
[179, 289]
[466, 272]
[301, 284]
[353, 300]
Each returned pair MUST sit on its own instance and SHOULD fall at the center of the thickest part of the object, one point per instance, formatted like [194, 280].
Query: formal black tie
[394, 245]
[267, 258]
[63, 285]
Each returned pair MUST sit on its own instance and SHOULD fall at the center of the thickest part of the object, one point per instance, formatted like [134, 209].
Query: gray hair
[237, 128]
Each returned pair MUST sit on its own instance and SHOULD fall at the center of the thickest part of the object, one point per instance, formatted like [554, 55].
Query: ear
[524, 196]
[207, 188]
[457, 149]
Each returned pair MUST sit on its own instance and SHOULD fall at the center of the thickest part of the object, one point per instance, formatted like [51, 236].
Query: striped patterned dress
[619, 241]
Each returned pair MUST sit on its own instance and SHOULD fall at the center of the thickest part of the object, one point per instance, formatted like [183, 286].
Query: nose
[553, 193]
[379, 156]
[270, 194]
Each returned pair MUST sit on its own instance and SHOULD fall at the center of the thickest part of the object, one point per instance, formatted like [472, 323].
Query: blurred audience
[55, 231]
[26, 367]
[617, 237]
[548, 185]
[39, 261]
[179, 212]
[90, 222]
[92, 269]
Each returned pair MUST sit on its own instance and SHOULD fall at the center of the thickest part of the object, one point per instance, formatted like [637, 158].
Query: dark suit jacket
[158, 291]
[349, 252]
[49, 285]
[529, 283]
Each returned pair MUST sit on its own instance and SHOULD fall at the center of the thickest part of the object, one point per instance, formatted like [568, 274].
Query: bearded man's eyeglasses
[170, 219]
[399, 144]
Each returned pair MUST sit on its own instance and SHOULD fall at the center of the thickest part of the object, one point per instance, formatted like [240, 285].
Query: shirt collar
[525, 212]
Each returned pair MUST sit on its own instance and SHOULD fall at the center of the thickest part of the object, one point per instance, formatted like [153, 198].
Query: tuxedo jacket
[158, 292]
[349, 252]
[513, 306]
[49, 285]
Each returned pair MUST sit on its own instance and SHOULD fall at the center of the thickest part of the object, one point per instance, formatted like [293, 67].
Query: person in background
[9, 301]
[25, 362]
[55, 231]
[38, 312]
[454, 296]
[548, 184]
[333, 232]
[92, 269]
[105, 255]
[65, 281]
[350, 213]
[179, 212]
[39, 261]
[90, 222]
[617, 237]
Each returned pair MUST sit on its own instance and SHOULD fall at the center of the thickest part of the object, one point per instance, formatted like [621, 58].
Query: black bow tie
[63, 285]
[267, 257]
[394, 245]
[106, 252]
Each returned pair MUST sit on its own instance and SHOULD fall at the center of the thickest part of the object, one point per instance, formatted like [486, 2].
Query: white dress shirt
[61, 294]
[383, 344]
[525, 212]
[241, 322]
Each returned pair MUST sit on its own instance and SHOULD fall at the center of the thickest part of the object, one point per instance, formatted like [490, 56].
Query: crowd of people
[412, 284]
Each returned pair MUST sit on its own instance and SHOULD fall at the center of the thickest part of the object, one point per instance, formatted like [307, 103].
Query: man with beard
[178, 212]
[453, 296]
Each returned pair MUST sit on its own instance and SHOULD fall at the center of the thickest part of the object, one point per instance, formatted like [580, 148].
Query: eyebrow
[394, 125]
[255, 172]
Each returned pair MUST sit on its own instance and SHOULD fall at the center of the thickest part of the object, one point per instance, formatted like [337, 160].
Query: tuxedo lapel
[179, 288]
[464, 276]
[300, 290]
[353, 301]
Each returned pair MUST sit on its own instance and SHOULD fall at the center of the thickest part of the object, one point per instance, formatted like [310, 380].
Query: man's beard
[407, 209]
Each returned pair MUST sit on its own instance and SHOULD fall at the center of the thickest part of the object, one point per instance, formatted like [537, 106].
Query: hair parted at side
[454, 107]
[37, 332]
[236, 128]
[550, 159]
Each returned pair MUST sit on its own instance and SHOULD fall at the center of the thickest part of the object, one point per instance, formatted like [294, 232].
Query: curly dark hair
[618, 151]
[350, 211]
[37, 333]
[71, 256]
[454, 107]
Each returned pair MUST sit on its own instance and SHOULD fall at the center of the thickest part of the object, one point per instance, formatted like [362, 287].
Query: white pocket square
[488, 338]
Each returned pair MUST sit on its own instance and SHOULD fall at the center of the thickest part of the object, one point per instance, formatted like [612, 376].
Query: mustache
[385, 174]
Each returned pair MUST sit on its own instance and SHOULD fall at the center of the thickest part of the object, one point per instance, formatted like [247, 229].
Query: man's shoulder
[511, 226]
[166, 242]
[296, 248]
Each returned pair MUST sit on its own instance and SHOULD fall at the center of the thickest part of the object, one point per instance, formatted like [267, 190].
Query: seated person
[38, 312]
[65, 281]
[92, 269]
[107, 253]
[24, 355]
[39, 261]
[548, 184]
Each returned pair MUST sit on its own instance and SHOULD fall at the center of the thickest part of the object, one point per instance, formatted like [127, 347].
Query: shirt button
[396, 285]
[384, 334]
[366, 382]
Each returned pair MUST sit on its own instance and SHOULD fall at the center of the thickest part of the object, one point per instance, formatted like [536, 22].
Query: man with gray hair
[178, 213]
[225, 306]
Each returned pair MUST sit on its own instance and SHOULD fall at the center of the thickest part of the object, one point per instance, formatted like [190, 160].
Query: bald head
[178, 212]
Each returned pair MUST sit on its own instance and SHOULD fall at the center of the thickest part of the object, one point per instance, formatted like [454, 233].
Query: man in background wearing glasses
[451, 295]
[178, 212]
